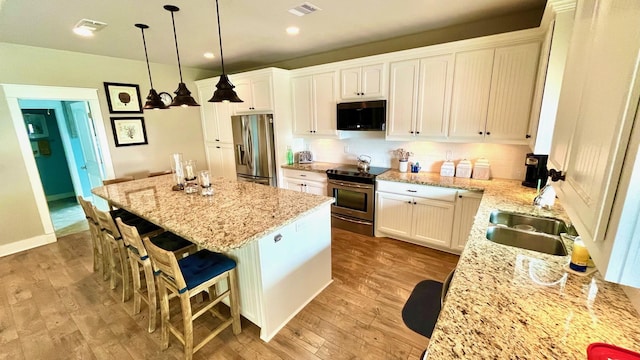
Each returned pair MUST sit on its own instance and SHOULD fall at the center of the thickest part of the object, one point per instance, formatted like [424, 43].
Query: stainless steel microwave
[362, 116]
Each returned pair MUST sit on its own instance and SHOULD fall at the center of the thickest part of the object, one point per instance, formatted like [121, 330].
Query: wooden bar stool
[115, 247]
[186, 278]
[139, 261]
[99, 258]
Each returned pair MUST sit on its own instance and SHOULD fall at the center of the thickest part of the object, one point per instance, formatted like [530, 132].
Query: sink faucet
[546, 198]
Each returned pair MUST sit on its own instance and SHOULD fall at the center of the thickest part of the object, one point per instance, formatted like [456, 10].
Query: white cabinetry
[419, 94]
[256, 92]
[217, 133]
[362, 82]
[314, 104]
[493, 93]
[419, 214]
[598, 102]
[220, 160]
[305, 181]
[467, 206]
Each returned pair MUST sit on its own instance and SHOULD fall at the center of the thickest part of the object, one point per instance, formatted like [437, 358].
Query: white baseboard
[26, 244]
[61, 196]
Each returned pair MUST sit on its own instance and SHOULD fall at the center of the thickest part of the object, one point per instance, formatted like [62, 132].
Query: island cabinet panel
[221, 161]
[467, 205]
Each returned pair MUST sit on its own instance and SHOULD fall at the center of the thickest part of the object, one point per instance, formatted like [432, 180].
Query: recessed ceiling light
[209, 55]
[293, 30]
[86, 27]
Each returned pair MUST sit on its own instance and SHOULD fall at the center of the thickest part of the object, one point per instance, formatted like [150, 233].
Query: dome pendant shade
[225, 91]
[183, 95]
[153, 99]
[224, 87]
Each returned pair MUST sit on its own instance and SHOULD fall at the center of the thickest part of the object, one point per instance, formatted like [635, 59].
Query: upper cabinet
[363, 82]
[597, 145]
[493, 92]
[314, 104]
[256, 93]
[419, 92]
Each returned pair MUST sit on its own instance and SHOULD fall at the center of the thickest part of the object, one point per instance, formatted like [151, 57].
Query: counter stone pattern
[320, 167]
[236, 214]
[510, 303]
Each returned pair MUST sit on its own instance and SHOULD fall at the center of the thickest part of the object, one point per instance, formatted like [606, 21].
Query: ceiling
[253, 32]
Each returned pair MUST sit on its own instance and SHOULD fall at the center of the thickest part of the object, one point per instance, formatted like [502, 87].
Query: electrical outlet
[346, 149]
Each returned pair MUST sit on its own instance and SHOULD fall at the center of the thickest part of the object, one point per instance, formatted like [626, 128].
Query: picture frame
[123, 98]
[36, 126]
[129, 131]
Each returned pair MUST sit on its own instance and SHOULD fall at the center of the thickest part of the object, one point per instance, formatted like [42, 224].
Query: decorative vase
[404, 165]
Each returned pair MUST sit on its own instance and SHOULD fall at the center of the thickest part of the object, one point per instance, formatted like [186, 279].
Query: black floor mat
[421, 310]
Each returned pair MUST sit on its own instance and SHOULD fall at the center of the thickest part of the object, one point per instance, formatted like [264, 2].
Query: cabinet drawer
[305, 175]
[424, 191]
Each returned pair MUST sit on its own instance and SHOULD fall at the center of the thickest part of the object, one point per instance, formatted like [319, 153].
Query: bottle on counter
[289, 156]
[579, 256]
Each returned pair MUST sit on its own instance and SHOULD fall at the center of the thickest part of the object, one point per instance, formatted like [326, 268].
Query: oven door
[352, 199]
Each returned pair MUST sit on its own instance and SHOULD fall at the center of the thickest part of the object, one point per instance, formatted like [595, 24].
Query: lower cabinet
[425, 215]
[305, 181]
[221, 161]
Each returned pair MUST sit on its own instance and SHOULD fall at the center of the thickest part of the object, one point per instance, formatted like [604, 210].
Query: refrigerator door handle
[248, 158]
[240, 154]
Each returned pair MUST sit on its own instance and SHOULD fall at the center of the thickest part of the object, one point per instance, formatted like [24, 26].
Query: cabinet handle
[528, 136]
[479, 132]
[460, 196]
[411, 131]
[303, 175]
[417, 132]
[488, 133]
[408, 202]
[414, 203]
[277, 238]
[557, 175]
[217, 139]
[217, 147]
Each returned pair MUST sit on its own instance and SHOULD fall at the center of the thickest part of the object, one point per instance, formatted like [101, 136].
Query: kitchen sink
[527, 240]
[530, 223]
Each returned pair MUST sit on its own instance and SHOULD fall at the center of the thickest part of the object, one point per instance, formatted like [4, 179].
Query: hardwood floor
[52, 306]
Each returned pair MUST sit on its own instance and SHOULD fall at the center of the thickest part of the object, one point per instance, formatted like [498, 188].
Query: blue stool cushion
[123, 214]
[170, 241]
[202, 266]
[142, 225]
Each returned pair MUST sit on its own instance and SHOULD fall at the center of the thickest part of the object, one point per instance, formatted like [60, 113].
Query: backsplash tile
[507, 161]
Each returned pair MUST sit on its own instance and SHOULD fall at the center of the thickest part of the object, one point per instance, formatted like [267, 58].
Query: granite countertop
[510, 303]
[320, 167]
[237, 213]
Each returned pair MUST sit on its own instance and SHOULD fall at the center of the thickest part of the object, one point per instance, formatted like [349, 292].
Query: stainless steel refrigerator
[254, 148]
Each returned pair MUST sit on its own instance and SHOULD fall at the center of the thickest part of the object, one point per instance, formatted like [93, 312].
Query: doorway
[71, 101]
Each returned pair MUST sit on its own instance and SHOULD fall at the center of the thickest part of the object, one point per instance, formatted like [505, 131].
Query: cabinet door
[372, 81]
[393, 214]
[467, 206]
[432, 222]
[403, 92]
[434, 96]
[513, 81]
[324, 104]
[605, 113]
[292, 184]
[261, 94]
[470, 98]
[243, 89]
[221, 160]
[208, 113]
[302, 96]
[350, 83]
[317, 188]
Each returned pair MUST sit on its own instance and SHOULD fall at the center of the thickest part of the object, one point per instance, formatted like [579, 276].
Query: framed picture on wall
[128, 131]
[123, 98]
[36, 126]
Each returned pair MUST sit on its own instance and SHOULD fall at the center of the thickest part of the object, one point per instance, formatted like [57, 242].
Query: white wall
[507, 161]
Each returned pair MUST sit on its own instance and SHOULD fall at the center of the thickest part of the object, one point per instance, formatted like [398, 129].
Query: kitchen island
[510, 303]
[280, 239]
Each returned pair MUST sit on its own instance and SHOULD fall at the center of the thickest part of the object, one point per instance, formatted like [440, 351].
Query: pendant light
[183, 95]
[224, 92]
[153, 99]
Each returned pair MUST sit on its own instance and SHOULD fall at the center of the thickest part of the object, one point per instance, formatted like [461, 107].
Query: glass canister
[191, 185]
[205, 183]
[177, 170]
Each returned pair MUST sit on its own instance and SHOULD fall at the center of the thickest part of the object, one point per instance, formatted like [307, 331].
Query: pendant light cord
[144, 42]
[220, 36]
[175, 37]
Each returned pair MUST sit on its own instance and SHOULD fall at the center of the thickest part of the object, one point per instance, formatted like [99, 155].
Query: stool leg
[151, 295]
[137, 287]
[234, 302]
[126, 274]
[105, 261]
[112, 264]
[187, 321]
[164, 313]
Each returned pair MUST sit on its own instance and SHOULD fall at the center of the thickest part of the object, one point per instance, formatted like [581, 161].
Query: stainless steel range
[354, 191]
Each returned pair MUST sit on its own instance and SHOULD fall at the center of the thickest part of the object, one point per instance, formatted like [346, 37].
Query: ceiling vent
[90, 25]
[304, 9]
